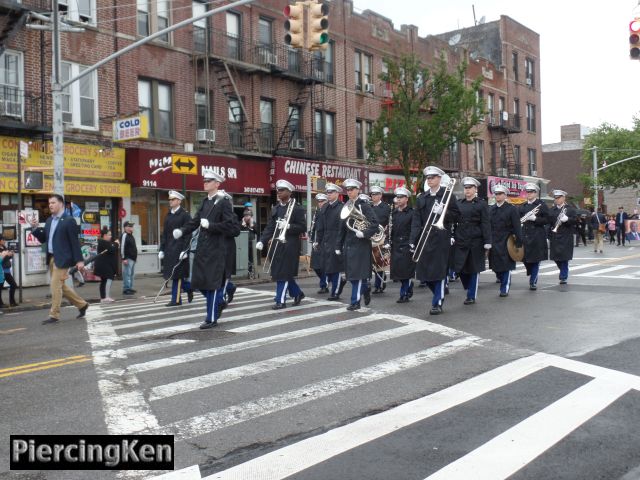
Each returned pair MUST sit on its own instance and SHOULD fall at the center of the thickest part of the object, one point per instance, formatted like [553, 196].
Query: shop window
[145, 208]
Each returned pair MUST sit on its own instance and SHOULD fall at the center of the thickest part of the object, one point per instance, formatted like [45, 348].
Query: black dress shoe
[83, 310]
[132, 291]
[563, 282]
[504, 294]
[446, 290]
[437, 310]
[279, 306]
[354, 306]
[343, 282]
[12, 304]
[410, 294]
[128, 292]
[323, 290]
[206, 325]
[173, 304]
[404, 299]
[298, 299]
[190, 295]
[532, 287]
[384, 285]
[50, 320]
[230, 294]
[222, 305]
[334, 298]
[469, 301]
[367, 296]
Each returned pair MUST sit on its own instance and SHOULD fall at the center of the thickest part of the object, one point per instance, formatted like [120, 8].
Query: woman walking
[106, 264]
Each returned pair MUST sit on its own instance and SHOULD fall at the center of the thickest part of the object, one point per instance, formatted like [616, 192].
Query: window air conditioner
[534, 173]
[529, 81]
[206, 135]
[298, 144]
[10, 109]
[505, 116]
[369, 88]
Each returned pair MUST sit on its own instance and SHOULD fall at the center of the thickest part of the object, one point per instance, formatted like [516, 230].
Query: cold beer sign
[130, 128]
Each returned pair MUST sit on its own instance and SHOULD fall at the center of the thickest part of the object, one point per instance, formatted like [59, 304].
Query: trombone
[279, 236]
[432, 222]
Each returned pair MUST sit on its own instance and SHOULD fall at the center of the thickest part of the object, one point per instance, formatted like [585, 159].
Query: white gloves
[280, 223]
[359, 234]
[563, 218]
[183, 255]
[532, 219]
[453, 241]
[412, 248]
[160, 255]
[259, 245]
[204, 223]
[177, 233]
[387, 247]
[315, 245]
[438, 208]
[338, 252]
[487, 246]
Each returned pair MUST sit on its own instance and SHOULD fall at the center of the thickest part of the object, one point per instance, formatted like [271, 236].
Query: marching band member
[284, 257]
[170, 250]
[213, 221]
[534, 235]
[229, 288]
[327, 230]
[382, 211]
[562, 218]
[317, 262]
[355, 246]
[472, 238]
[504, 223]
[432, 265]
[403, 268]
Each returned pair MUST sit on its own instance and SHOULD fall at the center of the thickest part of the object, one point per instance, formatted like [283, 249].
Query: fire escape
[501, 125]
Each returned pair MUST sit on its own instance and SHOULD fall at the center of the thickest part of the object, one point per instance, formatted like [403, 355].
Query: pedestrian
[504, 223]
[249, 225]
[212, 222]
[534, 235]
[286, 224]
[229, 288]
[60, 234]
[611, 226]
[581, 230]
[432, 253]
[7, 256]
[173, 266]
[129, 253]
[562, 218]
[382, 211]
[327, 231]
[621, 217]
[355, 244]
[317, 262]
[105, 265]
[402, 267]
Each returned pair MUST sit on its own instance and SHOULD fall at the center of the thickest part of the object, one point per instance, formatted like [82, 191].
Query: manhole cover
[202, 335]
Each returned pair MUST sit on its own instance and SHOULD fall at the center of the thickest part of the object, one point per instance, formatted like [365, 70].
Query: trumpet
[356, 221]
[432, 222]
[530, 214]
[278, 237]
[563, 211]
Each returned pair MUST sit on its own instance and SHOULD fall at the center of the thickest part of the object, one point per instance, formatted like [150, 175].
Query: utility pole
[595, 178]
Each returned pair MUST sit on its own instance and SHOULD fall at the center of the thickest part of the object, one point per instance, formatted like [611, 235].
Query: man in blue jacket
[60, 235]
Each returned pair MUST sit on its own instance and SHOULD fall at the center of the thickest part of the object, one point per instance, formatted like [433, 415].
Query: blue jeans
[128, 270]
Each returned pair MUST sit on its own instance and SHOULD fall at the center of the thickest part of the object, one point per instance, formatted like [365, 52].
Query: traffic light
[318, 26]
[294, 25]
[634, 39]
[33, 180]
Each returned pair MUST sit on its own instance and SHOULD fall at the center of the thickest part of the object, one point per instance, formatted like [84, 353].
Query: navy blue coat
[66, 245]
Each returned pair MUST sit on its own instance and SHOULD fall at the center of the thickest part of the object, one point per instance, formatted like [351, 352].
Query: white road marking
[571, 269]
[542, 267]
[212, 421]
[145, 347]
[597, 273]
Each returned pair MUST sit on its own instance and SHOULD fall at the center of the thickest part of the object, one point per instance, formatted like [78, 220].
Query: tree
[614, 143]
[432, 109]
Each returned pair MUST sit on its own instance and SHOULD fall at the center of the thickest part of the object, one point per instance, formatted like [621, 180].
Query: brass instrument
[530, 214]
[432, 222]
[563, 211]
[356, 221]
[279, 236]
[382, 254]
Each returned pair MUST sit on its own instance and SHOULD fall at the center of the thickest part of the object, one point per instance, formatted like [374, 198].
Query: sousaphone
[516, 253]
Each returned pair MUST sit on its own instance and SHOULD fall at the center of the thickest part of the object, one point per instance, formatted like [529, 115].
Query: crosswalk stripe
[202, 424]
[522, 443]
[571, 269]
[146, 347]
[130, 312]
[223, 376]
[542, 267]
[259, 342]
[596, 273]
[294, 458]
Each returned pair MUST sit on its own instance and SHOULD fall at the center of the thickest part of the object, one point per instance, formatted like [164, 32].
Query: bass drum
[516, 253]
[381, 257]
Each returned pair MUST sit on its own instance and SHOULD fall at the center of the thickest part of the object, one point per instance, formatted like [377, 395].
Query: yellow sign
[86, 161]
[185, 164]
[131, 128]
[73, 187]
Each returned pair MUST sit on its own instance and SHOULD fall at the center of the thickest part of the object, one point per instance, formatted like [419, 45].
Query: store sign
[130, 128]
[73, 187]
[389, 182]
[295, 170]
[516, 187]
[86, 161]
[153, 169]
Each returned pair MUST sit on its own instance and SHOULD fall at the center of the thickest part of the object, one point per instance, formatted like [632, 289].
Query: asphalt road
[539, 385]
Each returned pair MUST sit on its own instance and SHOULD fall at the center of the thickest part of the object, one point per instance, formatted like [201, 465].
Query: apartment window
[492, 156]
[503, 159]
[363, 69]
[11, 96]
[235, 123]
[479, 155]
[358, 70]
[368, 128]
[265, 32]
[233, 35]
[323, 63]
[492, 120]
[454, 155]
[294, 123]
[144, 27]
[479, 101]
[514, 65]
[266, 124]
[359, 140]
[155, 100]
[163, 19]
[79, 104]
[531, 153]
[199, 27]
[202, 119]
[153, 16]
[516, 159]
[501, 106]
[367, 61]
[323, 129]
[529, 71]
[531, 117]
[78, 10]
[516, 113]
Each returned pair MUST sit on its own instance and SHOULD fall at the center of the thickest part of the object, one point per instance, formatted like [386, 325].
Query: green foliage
[432, 110]
[614, 143]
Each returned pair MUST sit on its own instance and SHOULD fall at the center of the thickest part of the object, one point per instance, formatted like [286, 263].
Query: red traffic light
[634, 25]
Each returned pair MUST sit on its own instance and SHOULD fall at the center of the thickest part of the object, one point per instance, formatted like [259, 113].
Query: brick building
[229, 92]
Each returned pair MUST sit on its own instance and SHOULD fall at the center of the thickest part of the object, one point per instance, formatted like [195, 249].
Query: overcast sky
[586, 74]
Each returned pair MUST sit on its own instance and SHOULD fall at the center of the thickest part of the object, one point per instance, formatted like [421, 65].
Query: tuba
[356, 221]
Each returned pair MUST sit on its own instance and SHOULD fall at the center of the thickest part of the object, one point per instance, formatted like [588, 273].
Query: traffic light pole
[596, 169]
[57, 86]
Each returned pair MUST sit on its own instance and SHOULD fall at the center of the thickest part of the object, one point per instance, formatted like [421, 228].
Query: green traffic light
[324, 38]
